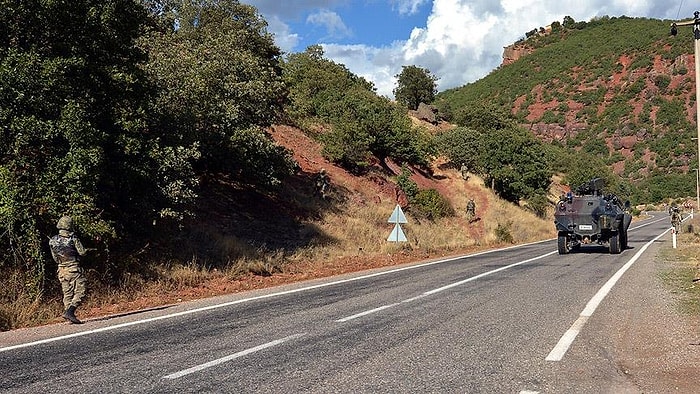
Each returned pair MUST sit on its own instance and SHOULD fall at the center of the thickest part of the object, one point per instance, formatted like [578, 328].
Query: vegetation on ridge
[616, 89]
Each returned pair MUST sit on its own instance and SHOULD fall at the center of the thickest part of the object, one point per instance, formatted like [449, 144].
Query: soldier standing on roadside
[676, 219]
[66, 250]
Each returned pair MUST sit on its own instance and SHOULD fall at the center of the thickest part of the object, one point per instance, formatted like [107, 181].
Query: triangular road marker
[397, 216]
[397, 234]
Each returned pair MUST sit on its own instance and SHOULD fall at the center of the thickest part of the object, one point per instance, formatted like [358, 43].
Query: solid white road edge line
[431, 292]
[234, 356]
[568, 338]
[216, 306]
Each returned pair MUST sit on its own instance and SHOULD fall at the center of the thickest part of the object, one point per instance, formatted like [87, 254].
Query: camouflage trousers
[676, 227]
[73, 284]
[470, 215]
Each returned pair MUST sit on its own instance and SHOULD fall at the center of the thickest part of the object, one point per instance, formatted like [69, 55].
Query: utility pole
[696, 33]
[697, 190]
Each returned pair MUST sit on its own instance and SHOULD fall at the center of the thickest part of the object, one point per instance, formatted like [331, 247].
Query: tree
[489, 142]
[220, 84]
[314, 81]
[72, 105]
[516, 163]
[569, 22]
[361, 122]
[484, 117]
[415, 85]
[461, 145]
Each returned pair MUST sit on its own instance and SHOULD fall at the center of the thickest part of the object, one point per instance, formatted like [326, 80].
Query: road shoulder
[657, 346]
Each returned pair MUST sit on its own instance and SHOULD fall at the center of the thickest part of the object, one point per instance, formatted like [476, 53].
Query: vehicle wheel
[623, 240]
[563, 244]
[615, 243]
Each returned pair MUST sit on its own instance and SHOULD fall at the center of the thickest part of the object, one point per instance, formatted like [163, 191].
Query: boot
[69, 315]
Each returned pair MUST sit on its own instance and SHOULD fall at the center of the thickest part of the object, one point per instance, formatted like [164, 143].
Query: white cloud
[463, 40]
[331, 21]
[408, 7]
[284, 38]
[377, 65]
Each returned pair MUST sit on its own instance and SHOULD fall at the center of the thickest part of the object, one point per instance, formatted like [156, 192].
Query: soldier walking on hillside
[471, 210]
[66, 250]
[464, 171]
[322, 183]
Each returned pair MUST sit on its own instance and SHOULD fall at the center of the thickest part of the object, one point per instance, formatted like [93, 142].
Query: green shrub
[406, 184]
[461, 146]
[538, 204]
[431, 204]
[502, 232]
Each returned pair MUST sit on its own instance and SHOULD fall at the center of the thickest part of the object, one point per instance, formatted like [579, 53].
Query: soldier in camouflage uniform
[464, 171]
[322, 183]
[66, 250]
[676, 219]
[471, 210]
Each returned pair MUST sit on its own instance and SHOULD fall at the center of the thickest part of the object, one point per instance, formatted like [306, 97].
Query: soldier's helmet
[65, 223]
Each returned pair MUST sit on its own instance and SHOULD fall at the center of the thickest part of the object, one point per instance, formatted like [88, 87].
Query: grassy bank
[682, 265]
[354, 238]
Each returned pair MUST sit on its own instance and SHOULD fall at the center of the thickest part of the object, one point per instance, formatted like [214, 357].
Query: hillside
[621, 89]
[162, 150]
[281, 238]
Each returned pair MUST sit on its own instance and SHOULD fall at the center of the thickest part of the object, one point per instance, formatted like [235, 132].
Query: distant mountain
[620, 88]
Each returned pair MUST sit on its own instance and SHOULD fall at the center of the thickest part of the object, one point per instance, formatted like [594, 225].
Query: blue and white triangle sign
[397, 216]
[397, 234]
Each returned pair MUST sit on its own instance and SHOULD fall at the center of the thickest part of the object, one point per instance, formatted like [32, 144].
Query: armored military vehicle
[588, 216]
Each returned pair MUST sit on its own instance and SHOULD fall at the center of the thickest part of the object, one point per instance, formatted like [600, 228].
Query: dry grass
[683, 265]
[354, 237]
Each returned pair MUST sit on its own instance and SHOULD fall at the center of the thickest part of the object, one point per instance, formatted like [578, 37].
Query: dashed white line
[365, 313]
[234, 356]
[487, 273]
[439, 289]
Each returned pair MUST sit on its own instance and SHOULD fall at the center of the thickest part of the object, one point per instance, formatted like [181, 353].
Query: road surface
[516, 320]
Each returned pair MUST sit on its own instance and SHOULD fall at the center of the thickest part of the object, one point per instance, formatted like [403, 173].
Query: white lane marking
[234, 356]
[211, 307]
[646, 224]
[569, 336]
[431, 292]
[365, 313]
[487, 273]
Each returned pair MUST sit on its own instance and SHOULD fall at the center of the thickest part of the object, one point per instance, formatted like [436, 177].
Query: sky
[458, 41]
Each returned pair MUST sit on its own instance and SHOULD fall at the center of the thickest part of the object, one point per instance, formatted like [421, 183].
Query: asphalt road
[517, 320]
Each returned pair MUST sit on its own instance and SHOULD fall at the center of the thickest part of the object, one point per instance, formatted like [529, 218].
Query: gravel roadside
[657, 348]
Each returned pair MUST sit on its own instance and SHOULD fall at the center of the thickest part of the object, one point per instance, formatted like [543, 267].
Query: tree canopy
[112, 110]
[361, 123]
[415, 85]
[489, 142]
